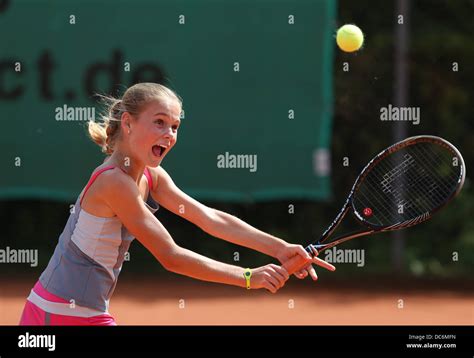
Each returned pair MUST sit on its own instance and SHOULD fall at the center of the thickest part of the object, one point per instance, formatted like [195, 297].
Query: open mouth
[158, 150]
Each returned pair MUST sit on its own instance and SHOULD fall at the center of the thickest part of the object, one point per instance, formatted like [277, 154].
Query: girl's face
[155, 131]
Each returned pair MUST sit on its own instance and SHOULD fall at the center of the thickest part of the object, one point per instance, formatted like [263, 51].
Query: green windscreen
[255, 78]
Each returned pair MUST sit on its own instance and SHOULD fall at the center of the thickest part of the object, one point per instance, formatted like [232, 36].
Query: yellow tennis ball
[349, 38]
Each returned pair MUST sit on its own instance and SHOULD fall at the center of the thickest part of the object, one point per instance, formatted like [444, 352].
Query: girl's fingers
[279, 277]
[281, 271]
[314, 251]
[303, 253]
[269, 286]
[301, 274]
[312, 273]
[273, 281]
[323, 264]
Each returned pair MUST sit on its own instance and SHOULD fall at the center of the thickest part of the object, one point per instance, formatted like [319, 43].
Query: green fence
[255, 77]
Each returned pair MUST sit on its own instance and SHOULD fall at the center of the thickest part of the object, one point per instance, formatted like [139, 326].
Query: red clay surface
[181, 301]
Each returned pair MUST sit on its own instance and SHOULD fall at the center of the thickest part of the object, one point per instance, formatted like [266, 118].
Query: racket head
[407, 183]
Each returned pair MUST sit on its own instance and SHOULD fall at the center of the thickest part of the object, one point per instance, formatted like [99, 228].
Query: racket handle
[295, 264]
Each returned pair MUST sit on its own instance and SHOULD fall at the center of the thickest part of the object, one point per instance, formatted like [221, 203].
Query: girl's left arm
[212, 221]
[225, 226]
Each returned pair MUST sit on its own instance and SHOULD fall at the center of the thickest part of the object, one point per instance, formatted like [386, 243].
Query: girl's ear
[126, 121]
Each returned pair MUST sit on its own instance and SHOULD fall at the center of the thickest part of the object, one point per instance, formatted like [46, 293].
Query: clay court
[182, 301]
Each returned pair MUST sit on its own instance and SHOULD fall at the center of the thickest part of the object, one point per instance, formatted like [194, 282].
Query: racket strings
[421, 184]
[377, 201]
[439, 189]
[416, 179]
[408, 183]
[400, 175]
[454, 175]
[382, 196]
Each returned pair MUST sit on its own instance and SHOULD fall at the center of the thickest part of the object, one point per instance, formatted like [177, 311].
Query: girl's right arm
[123, 198]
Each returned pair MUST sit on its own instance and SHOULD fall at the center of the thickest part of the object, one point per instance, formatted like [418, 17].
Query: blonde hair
[134, 100]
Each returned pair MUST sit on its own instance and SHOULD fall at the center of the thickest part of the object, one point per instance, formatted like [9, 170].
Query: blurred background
[260, 77]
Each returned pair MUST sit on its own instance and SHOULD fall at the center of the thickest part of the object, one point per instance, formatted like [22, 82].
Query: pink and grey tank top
[89, 256]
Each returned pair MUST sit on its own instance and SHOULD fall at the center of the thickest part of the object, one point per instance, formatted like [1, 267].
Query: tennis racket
[400, 187]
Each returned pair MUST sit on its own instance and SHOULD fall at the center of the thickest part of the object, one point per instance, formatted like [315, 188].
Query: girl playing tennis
[118, 204]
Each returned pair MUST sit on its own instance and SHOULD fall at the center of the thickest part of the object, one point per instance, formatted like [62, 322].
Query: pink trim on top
[149, 178]
[93, 178]
[97, 173]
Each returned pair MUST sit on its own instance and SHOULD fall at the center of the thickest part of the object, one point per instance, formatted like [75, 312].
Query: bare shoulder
[112, 182]
[109, 184]
[115, 181]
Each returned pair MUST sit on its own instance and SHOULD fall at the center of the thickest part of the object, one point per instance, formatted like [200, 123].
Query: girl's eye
[175, 128]
[159, 121]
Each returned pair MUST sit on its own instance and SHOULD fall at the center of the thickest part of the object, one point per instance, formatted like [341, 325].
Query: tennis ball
[349, 38]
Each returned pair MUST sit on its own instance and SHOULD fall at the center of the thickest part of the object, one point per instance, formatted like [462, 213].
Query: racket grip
[295, 264]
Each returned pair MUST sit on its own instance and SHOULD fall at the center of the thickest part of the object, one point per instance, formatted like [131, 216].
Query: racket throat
[317, 246]
[320, 247]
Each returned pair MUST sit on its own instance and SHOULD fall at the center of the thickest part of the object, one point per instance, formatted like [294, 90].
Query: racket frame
[372, 229]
